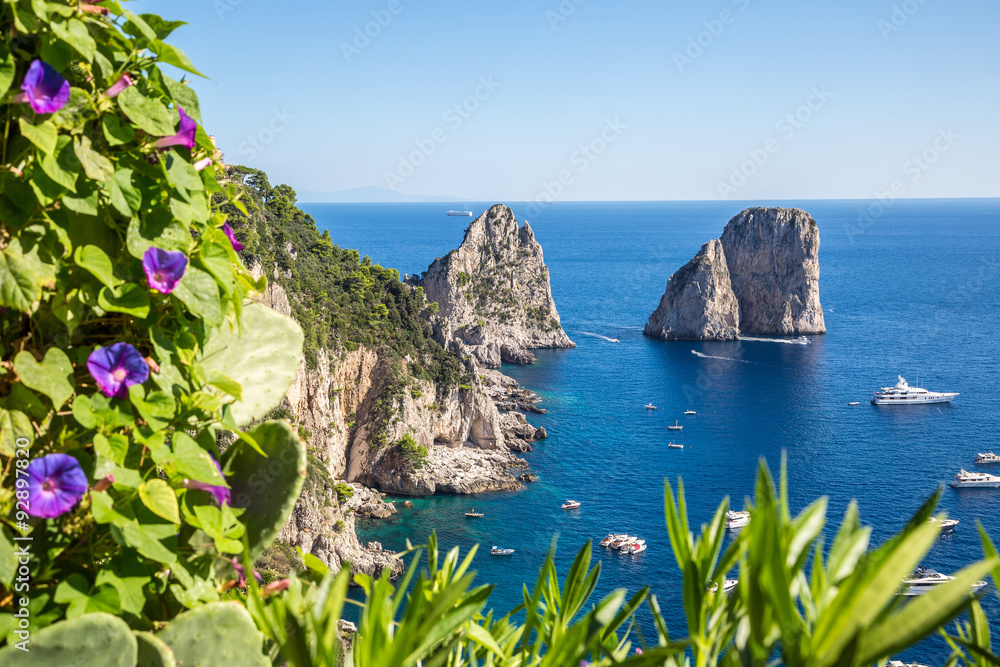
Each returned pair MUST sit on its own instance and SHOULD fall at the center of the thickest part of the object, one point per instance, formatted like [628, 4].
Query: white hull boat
[924, 580]
[674, 445]
[946, 524]
[611, 537]
[904, 394]
[570, 505]
[676, 427]
[690, 412]
[737, 519]
[728, 586]
[988, 457]
[980, 480]
[498, 551]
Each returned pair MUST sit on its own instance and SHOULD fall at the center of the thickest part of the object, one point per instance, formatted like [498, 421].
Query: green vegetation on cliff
[341, 299]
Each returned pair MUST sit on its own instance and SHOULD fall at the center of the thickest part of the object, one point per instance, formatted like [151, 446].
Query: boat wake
[789, 341]
[596, 335]
[709, 356]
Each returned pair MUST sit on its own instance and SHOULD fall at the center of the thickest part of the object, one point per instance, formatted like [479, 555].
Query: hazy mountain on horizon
[370, 194]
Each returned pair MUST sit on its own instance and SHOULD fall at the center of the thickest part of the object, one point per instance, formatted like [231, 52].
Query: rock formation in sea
[698, 303]
[761, 277]
[495, 302]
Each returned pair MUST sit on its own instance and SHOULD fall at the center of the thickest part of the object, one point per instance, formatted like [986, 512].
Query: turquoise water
[911, 291]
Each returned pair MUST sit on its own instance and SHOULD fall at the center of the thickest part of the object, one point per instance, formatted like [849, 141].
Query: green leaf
[129, 298]
[161, 26]
[190, 460]
[136, 26]
[63, 166]
[52, 377]
[86, 204]
[96, 261]
[22, 276]
[8, 559]
[136, 535]
[75, 34]
[220, 380]
[116, 131]
[173, 56]
[95, 165]
[14, 424]
[162, 231]
[183, 96]
[181, 173]
[6, 72]
[124, 196]
[74, 591]
[44, 135]
[200, 293]
[160, 499]
[129, 577]
[157, 409]
[113, 447]
[149, 115]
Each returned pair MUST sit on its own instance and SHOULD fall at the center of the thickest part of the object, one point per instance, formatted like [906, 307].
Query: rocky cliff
[698, 303]
[760, 277]
[493, 293]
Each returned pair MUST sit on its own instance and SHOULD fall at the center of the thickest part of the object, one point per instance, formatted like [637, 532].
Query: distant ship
[464, 214]
[904, 394]
[975, 479]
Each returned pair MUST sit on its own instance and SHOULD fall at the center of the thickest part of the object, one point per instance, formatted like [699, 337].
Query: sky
[603, 100]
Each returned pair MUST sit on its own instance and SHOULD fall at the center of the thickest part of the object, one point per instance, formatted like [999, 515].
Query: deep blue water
[912, 292]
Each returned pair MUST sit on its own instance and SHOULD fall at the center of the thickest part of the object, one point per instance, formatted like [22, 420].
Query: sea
[908, 287]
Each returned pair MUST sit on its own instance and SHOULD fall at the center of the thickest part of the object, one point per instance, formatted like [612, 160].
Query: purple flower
[202, 163]
[185, 133]
[164, 268]
[275, 587]
[237, 246]
[55, 485]
[221, 493]
[118, 86]
[44, 88]
[242, 572]
[116, 368]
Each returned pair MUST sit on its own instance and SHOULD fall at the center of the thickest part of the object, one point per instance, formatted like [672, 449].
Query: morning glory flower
[242, 572]
[44, 88]
[164, 268]
[221, 493]
[202, 163]
[116, 368]
[118, 86]
[275, 587]
[185, 133]
[55, 485]
[237, 246]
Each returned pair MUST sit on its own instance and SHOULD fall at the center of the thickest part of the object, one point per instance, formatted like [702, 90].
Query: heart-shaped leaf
[160, 499]
[52, 377]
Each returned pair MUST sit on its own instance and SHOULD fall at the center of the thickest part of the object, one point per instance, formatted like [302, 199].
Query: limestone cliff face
[773, 256]
[494, 294]
[698, 303]
[760, 277]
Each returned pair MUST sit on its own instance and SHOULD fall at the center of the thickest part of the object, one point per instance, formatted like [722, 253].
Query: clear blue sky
[889, 91]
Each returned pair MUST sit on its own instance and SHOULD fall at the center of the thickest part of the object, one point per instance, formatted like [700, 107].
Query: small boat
[676, 427]
[728, 586]
[498, 551]
[611, 537]
[463, 214]
[904, 394]
[854, 403]
[473, 514]
[674, 445]
[613, 340]
[570, 505]
[737, 519]
[690, 412]
[925, 580]
[622, 541]
[636, 547]
[988, 457]
[650, 406]
[946, 524]
[975, 479]
[900, 663]
[627, 543]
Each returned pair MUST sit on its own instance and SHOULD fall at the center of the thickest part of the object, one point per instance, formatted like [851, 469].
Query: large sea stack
[765, 265]
[493, 293]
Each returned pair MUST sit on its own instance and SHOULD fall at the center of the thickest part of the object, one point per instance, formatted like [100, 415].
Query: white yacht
[650, 406]
[622, 542]
[946, 524]
[676, 427]
[690, 412]
[988, 457]
[462, 214]
[728, 585]
[975, 479]
[570, 505]
[900, 663]
[636, 547]
[499, 551]
[675, 445]
[924, 580]
[611, 537]
[737, 519]
[904, 394]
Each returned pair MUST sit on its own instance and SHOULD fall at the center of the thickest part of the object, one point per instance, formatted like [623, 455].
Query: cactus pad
[91, 639]
[153, 652]
[220, 634]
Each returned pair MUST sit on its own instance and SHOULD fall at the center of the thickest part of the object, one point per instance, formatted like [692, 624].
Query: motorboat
[650, 406]
[570, 505]
[611, 537]
[674, 445]
[627, 543]
[728, 586]
[737, 519]
[946, 524]
[463, 214]
[613, 340]
[474, 514]
[854, 403]
[676, 427]
[690, 412]
[965, 480]
[636, 547]
[900, 663]
[904, 394]
[621, 541]
[924, 580]
[988, 457]
[498, 551]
